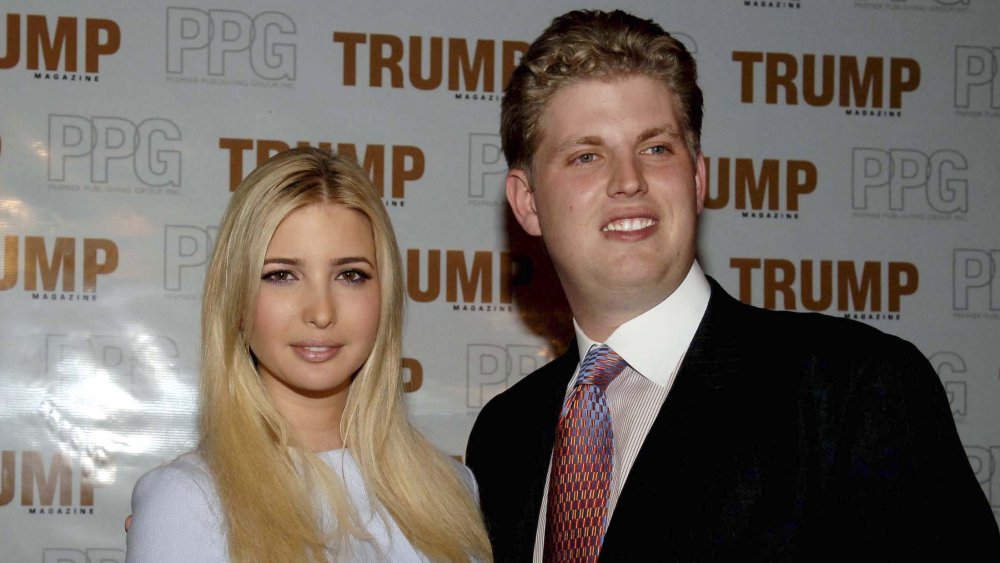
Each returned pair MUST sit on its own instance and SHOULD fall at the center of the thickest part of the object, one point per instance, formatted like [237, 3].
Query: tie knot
[601, 366]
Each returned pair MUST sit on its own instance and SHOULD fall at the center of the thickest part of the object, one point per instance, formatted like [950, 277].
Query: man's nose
[627, 177]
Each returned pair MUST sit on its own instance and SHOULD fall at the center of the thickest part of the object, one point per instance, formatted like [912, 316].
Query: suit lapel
[707, 379]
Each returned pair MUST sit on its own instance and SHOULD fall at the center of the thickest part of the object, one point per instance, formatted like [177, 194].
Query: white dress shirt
[653, 344]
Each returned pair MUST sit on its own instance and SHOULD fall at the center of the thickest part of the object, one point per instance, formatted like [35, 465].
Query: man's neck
[598, 316]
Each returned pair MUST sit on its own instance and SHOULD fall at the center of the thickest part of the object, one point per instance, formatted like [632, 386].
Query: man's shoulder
[527, 405]
[794, 330]
[536, 386]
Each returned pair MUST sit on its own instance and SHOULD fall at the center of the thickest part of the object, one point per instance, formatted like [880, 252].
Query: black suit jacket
[786, 437]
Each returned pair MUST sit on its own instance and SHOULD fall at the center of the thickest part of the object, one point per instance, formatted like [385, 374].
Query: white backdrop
[854, 170]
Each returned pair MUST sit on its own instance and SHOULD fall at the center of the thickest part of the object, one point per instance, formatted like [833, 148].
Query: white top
[176, 516]
[653, 345]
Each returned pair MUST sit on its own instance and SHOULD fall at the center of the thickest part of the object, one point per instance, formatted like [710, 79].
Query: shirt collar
[654, 342]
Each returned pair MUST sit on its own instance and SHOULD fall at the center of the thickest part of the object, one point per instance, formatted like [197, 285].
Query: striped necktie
[582, 458]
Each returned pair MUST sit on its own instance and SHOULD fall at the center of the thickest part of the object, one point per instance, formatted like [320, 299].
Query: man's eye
[658, 149]
[586, 158]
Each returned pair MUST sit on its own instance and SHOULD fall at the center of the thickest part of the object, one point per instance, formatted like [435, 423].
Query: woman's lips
[316, 352]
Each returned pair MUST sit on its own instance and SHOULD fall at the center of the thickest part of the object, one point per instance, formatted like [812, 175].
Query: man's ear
[700, 180]
[522, 201]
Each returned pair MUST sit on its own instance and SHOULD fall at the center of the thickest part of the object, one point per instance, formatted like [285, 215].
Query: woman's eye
[278, 276]
[354, 276]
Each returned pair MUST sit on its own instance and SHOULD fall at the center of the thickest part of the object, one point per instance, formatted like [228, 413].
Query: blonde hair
[586, 44]
[266, 480]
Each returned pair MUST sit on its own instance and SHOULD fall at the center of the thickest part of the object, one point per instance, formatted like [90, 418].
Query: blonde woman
[305, 451]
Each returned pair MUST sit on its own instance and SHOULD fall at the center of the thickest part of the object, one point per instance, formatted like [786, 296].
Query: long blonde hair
[266, 480]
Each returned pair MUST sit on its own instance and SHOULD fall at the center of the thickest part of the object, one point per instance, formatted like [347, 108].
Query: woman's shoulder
[467, 477]
[343, 462]
[184, 476]
[176, 514]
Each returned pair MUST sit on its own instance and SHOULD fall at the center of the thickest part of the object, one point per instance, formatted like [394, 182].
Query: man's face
[614, 193]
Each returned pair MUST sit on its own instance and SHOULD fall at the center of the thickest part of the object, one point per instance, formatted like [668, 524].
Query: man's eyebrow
[579, 142]
[666, 130]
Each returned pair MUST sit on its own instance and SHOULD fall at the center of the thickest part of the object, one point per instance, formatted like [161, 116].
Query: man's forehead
[576, 128]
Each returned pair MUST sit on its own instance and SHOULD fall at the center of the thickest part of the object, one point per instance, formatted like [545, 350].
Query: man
[735, 433]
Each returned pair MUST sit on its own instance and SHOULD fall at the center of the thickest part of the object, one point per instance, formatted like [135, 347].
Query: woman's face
[317, 305]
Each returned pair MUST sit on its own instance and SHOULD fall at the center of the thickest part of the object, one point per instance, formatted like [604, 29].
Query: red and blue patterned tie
[580, 482]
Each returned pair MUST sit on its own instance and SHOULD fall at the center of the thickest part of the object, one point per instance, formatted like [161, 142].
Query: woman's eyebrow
[351, 260]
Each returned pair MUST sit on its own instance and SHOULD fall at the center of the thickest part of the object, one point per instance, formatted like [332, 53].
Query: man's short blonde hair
[586, 44]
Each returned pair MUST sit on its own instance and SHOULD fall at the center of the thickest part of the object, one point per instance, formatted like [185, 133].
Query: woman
[305, 451]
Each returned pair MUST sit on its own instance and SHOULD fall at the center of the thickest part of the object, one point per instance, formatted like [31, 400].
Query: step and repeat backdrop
[854, 162]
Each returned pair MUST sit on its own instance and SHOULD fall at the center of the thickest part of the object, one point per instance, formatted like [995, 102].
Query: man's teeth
[629, 224]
